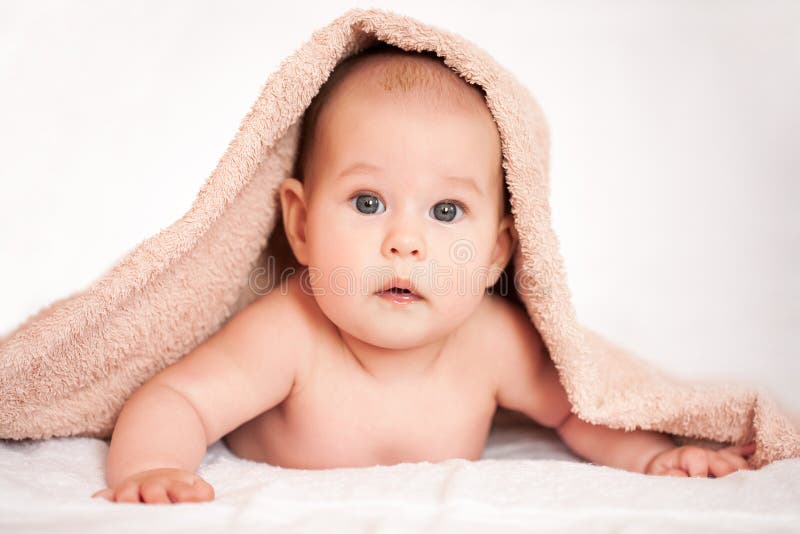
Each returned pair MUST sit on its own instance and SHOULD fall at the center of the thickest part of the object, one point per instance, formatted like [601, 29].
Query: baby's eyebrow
[467, 181]
[357, 167]
[361, 166]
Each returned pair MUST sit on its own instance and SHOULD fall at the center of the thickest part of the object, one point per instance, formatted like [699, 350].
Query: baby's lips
[415, 293]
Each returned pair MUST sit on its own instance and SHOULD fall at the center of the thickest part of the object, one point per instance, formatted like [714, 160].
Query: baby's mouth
[399, 295]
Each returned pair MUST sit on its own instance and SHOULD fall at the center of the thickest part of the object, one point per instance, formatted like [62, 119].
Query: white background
[674, 169]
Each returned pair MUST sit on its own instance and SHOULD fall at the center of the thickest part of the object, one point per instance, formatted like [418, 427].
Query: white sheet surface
[526, 481]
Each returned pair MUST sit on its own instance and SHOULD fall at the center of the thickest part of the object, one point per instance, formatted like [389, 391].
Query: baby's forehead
[415, 79]
[410, 78]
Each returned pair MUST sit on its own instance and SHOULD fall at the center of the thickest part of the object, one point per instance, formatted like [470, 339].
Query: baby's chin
[385, 338]
[391, 330]
[397, 325]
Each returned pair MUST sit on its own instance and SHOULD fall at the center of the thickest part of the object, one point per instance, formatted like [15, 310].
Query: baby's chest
[341, 422]
[393, 415]
[338, 415]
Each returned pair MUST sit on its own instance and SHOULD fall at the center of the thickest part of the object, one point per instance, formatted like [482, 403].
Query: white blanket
[526, 481]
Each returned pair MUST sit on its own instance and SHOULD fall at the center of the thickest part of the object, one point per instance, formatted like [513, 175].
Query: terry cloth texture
[68, 369]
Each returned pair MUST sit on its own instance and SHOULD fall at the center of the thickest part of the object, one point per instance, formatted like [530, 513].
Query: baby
[390, 343]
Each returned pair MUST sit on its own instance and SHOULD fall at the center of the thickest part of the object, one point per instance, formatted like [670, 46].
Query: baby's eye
[368, 203]
[446, 211]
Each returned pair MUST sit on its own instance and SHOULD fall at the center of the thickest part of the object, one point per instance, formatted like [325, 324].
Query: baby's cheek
[454, 308]
[341, 261]
[462, 270]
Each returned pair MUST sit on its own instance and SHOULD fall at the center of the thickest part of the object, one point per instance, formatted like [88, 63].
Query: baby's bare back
[338, 415]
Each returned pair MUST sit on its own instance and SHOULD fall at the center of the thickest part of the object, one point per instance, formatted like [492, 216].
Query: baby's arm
[527, 381]
[162, 432]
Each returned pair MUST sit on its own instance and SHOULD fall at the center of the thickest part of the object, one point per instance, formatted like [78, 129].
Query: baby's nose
[405, 251]
[404, 243]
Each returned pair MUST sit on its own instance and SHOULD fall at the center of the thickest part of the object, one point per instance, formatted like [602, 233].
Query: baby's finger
[204, 489]
[182, 492]
[694, 461]
[747, 449]
[153, 491]
[720, 465]
[741, 450]
[128, 492]
[675, 473]
[105, 493]
[734, 458]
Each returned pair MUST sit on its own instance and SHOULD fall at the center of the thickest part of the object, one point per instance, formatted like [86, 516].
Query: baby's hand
[698, 461]
[160, 486]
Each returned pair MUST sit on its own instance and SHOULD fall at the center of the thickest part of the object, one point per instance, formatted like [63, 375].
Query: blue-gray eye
[445, 211]
[368, 204]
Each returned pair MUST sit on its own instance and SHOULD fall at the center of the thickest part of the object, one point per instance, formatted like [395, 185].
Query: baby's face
[400, 190]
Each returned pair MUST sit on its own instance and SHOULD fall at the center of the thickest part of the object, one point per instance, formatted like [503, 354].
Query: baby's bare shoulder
[256, 358]
[505, 336]
[295, 302]
[525, 378]
[502, 322]
[291, 305]
[497, 327]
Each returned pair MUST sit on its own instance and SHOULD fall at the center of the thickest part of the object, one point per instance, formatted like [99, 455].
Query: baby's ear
[293, 207]
[504, 248]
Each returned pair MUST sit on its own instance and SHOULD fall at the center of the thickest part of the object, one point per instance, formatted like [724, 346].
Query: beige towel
[68, 369]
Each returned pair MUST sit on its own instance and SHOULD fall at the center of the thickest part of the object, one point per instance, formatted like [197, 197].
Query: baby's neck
[391, 366]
